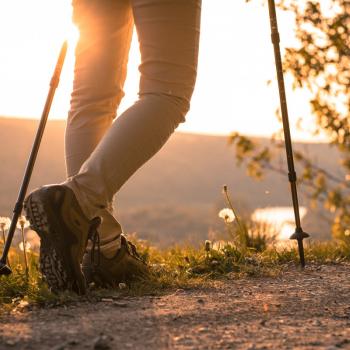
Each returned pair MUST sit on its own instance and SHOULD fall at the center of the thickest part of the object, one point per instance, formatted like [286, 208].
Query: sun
[59, 16]
[29, 52]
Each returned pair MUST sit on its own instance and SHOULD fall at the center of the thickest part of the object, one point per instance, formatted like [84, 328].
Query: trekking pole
[5, 269]
[299, 234]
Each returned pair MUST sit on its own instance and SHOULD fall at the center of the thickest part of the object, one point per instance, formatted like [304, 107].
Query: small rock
[342, 342]
[263, 322]
[184, 340]
[251, 347]
[179, 291]
[102, 342]
[107, 300]
[314, 343]
[60, 347]
[120, 304]
[66, 345]
[11, 342]
[23, 304]
[73, 342]
[203, 329]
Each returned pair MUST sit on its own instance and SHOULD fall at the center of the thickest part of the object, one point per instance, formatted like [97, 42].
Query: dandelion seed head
[27, 246]
[22, 222]
[5, 222]
[227, 214]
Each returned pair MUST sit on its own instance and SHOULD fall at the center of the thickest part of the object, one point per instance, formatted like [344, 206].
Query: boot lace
[94, 236]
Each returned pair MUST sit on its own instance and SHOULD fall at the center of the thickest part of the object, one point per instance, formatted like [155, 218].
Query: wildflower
[4, 223]
[22, 223]
[122, 285]
[26, 247]
[227, 214]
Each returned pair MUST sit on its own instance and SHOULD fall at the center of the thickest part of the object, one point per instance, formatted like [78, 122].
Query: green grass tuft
[178, 267]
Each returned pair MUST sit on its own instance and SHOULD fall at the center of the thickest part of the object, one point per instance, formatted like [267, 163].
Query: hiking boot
[54, 213]
[125, 266]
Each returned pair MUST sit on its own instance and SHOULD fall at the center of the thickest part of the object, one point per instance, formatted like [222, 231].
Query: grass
[179, 267]
[251, 250]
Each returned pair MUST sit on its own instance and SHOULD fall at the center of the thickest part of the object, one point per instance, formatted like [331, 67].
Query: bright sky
[236, 60]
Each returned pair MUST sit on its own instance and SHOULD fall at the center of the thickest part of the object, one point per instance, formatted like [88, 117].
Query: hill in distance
[175, 197]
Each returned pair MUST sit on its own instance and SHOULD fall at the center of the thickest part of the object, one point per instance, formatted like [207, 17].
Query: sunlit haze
[236, 61]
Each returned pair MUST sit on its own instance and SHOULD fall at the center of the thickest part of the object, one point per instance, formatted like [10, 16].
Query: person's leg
[53, 211]
[168, 33]
[101, 56]
[63, 214]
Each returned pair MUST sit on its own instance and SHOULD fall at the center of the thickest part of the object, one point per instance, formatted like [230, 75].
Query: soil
[297, 310]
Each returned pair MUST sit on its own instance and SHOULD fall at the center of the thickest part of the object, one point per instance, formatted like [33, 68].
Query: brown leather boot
[124, 266]
[55, 214]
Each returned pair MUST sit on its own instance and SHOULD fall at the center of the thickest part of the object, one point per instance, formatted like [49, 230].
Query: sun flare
[230, 94]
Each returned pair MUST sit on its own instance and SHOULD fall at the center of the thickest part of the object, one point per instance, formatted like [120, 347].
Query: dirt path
[308, 310]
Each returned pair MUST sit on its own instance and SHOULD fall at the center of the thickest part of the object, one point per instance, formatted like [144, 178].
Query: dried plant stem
[240, 226]
[25, 251]
[3, 235]
[230, 231]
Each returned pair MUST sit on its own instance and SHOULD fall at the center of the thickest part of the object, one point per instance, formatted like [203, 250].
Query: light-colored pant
[101, 155]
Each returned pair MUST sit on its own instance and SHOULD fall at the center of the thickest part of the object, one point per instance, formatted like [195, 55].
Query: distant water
[280, 217]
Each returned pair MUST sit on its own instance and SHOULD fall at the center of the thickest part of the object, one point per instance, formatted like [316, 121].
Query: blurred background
[176, 197]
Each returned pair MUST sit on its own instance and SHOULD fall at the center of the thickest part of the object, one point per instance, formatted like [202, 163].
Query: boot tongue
[110, 249]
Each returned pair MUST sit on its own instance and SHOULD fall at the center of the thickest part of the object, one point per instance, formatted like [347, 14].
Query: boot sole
[60, 269]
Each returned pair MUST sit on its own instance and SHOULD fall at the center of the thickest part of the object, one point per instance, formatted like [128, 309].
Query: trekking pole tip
[4, 269]
[299, 235]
